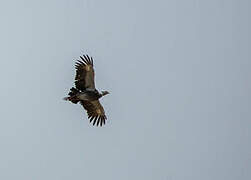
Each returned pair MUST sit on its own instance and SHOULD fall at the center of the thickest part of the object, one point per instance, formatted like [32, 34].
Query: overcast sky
[179, 76]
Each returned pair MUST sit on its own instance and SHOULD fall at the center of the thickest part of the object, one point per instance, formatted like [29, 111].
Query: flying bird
[85, 92]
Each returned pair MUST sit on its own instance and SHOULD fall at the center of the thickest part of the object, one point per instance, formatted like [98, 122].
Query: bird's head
[104, 93]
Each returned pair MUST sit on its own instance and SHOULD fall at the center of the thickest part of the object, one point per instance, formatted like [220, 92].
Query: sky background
[179, 76]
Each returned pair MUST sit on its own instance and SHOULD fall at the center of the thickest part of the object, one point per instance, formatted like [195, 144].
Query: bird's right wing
[95, 111]
[84, 73]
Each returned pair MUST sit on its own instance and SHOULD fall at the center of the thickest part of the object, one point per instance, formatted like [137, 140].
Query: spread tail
[72, 96]
[66, 98]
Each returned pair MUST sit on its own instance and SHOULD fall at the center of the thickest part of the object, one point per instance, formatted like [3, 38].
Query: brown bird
[85, 92]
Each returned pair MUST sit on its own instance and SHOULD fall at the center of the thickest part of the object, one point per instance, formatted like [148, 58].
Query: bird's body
[85, 92]
[89, 95]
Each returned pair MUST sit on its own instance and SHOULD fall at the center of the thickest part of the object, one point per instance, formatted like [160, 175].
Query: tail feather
[72, 96]
[73, 91]
[66, 98]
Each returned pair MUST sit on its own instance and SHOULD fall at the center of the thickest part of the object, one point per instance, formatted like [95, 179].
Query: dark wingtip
[91, 118]
[97, 120]
[89, 60]
[94, 122]
[84, 59]
[92, 61]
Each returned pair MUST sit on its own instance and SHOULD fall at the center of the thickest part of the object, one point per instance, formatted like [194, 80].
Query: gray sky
[179, 76]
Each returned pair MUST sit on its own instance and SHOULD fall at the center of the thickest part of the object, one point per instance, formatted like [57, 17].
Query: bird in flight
[85, 92]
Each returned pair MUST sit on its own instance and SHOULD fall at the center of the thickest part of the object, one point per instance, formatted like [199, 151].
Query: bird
[85, 92]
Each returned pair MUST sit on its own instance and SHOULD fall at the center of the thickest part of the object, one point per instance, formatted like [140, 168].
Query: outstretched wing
[84, 73]
[95, 111]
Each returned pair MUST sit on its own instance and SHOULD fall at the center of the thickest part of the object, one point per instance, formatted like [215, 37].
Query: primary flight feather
[85, 92]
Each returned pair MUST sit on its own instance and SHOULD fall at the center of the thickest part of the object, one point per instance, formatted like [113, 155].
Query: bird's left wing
[95, 111]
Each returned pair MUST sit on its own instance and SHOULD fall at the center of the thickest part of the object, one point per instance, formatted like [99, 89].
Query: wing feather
[84, 73]
[95, 112]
